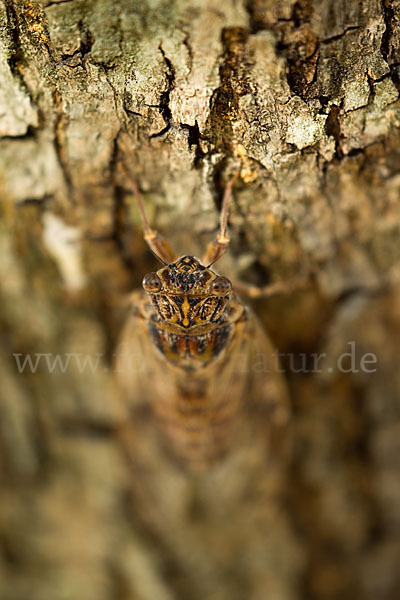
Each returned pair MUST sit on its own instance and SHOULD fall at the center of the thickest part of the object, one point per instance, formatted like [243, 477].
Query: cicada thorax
[190, 324]
[190, 351]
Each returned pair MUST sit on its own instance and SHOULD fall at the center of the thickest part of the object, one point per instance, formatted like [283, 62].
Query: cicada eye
[221, 286]
[151, 283]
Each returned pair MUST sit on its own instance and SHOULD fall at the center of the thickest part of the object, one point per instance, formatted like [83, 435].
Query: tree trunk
[305, 96]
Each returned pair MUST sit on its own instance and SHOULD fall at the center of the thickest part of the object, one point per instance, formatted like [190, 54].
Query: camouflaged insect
[197, 355]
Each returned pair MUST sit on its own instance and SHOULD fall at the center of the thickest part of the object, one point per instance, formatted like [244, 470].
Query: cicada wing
[267, 390]
[267, 403]
[132, 365]
[136, 377]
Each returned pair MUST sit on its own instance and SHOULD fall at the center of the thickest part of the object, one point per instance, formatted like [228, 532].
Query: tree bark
[305, 96]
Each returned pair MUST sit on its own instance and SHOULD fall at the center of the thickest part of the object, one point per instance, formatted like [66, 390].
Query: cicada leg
[155, 241]
[219, 246]
[280, 287]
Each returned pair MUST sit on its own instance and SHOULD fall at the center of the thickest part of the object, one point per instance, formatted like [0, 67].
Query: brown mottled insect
[196, 354]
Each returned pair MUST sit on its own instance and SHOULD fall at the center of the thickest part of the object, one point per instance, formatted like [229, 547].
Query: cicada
[194, 352]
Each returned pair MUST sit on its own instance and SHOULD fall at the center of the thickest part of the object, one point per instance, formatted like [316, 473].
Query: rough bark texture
[306, 94]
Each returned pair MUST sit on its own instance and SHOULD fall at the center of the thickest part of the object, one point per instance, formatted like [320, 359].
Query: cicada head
[188, 294]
